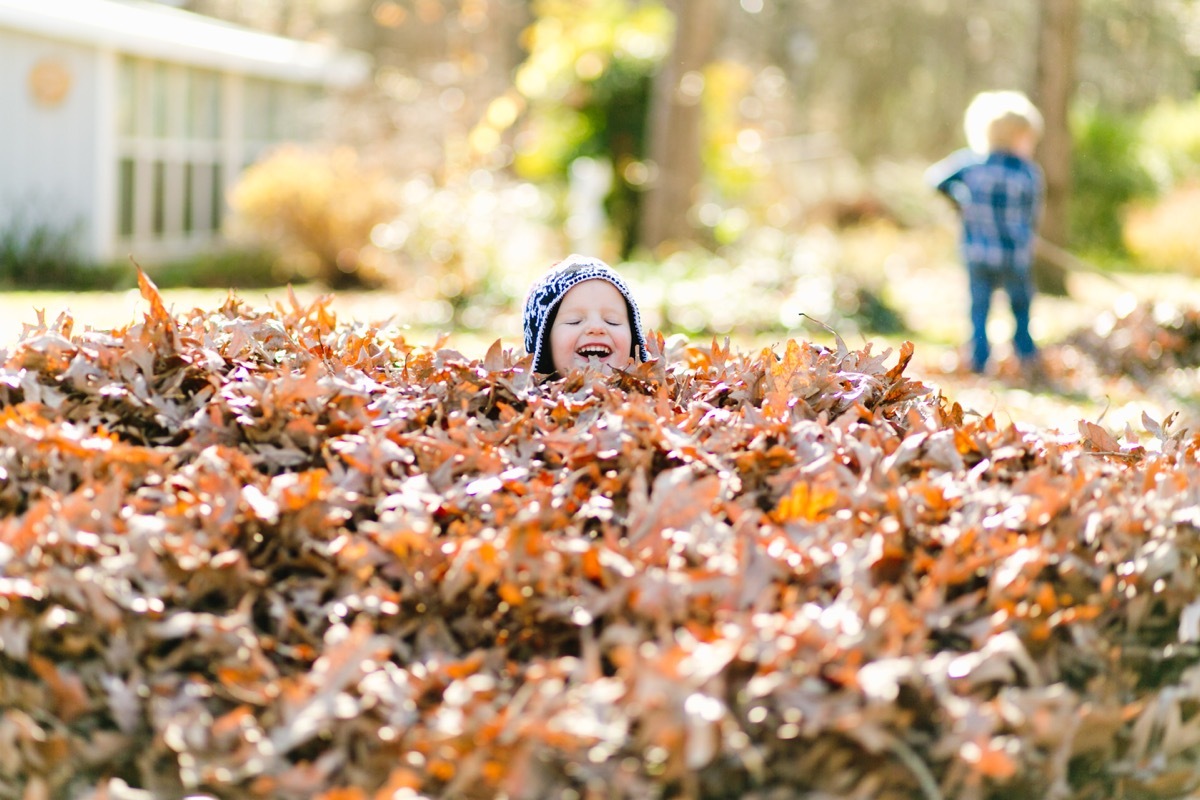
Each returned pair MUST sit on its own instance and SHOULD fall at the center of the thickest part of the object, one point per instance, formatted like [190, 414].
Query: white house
[127, 121]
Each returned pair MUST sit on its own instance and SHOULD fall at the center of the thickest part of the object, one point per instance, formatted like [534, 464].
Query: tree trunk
[1058, 38]
[676, 126]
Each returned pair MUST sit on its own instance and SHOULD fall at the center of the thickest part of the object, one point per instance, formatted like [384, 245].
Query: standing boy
[998, 190]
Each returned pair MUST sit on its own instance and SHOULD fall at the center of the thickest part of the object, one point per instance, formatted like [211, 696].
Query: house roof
[153, 30]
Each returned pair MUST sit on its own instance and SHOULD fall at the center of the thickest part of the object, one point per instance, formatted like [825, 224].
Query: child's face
[592, 322]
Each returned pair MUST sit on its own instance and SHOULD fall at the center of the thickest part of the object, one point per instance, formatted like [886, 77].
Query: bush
[1163, 235]
[319, 207]
[42, 255]
[1170, 143]
[1107, 175]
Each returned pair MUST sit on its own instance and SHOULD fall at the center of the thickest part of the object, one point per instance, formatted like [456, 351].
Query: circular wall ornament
[49, 82]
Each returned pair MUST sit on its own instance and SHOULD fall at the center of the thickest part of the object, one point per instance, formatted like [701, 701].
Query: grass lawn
[930, 298]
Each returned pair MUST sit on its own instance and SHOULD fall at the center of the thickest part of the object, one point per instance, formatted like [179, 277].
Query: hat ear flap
[545, 355]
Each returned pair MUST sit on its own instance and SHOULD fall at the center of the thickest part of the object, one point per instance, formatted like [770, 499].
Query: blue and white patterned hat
[541, 306]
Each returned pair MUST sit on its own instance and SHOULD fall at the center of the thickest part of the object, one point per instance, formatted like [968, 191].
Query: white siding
[48, 156]
[104, 187]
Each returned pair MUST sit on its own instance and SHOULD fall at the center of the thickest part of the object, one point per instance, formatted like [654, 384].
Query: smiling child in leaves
[581, 312]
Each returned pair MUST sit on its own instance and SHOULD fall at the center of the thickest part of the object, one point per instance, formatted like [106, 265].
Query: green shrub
[1107, 175]
[42, 255]
[584, 90]
[1170, 143]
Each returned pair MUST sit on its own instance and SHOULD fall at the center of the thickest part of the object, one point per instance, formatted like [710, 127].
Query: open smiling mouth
[594, 351]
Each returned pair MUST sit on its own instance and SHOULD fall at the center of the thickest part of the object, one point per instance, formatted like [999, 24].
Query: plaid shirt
[1000, 198]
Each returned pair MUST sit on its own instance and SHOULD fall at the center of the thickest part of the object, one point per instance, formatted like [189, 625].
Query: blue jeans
[1018, 285]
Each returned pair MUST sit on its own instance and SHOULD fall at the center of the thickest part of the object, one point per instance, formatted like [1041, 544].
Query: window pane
[297, 112]
[159, 98]
[203, 118]
[217, 198]
[125, 197]
[276, 124]
[127, 105]
[257, 111]
[189, 222]
[159, 217]
[218, 107]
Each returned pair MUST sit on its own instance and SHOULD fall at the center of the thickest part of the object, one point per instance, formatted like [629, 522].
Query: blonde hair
[994, 120]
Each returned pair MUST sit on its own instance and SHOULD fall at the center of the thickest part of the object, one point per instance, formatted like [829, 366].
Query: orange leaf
[343, 793]
[511, 593]
[990, 760]
[494, 771]
[592, 570]
[465, 668]
[804, 502]
[231, 722]
[399, 780]
[441, 769]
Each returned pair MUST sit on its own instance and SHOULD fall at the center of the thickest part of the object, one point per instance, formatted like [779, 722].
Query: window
[275, 112]
[169, 125]
[183, 134]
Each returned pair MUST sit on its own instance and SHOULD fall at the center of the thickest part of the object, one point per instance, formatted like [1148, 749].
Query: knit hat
[541, 306]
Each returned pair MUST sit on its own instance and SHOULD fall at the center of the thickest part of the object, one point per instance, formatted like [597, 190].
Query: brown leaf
[676, 501]
[67, 690]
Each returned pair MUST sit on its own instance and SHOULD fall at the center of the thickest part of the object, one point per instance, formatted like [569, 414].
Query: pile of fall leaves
[258, 553]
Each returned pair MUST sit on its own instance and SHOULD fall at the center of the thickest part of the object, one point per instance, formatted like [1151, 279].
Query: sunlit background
[742, 162]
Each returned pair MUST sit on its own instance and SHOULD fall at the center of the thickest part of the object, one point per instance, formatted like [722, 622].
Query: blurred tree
[676, 124]
[891, 79]
[1057, 43]
[584, 88]
[1132, 55]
